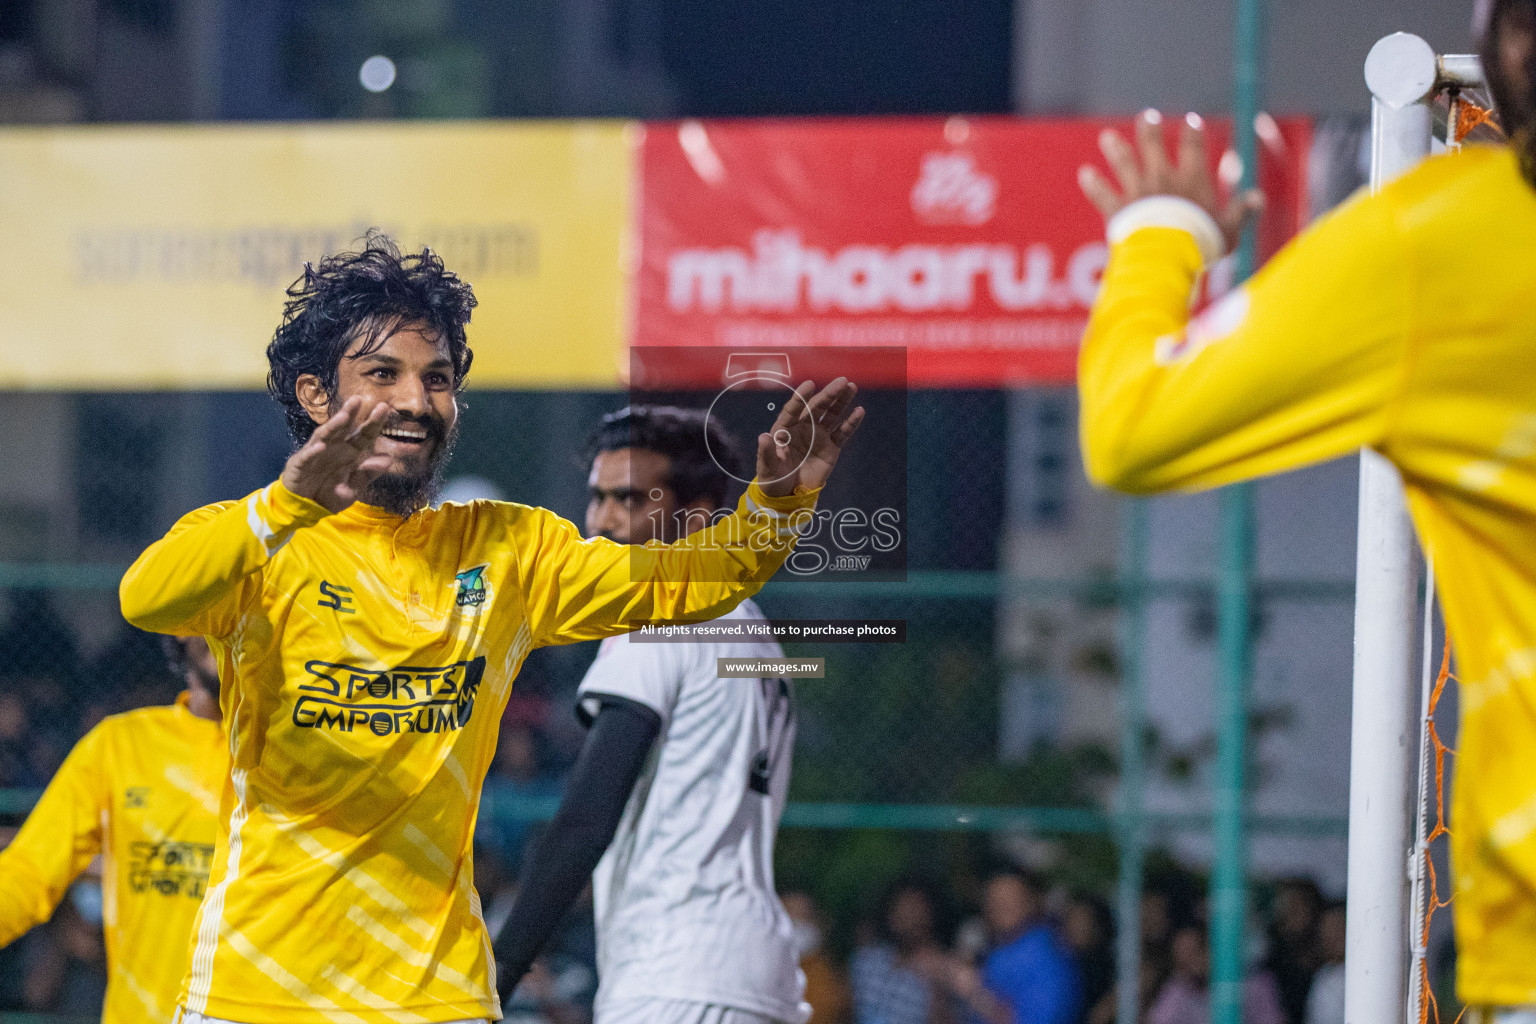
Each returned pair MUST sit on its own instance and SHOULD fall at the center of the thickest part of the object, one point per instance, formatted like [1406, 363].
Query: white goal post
[1404, 75]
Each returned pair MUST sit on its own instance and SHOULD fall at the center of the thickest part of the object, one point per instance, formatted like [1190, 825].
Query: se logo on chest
[336, 597]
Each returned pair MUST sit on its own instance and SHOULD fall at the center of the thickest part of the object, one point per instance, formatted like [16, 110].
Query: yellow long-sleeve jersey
[366, 660]
[142, 790]
[1404, 321]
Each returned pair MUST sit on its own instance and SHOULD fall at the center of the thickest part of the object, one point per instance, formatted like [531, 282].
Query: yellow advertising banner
[157, 257]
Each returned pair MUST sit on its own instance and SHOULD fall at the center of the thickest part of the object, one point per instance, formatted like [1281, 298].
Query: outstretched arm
[562, 860]
[60, 837]
[1301, 364]
[191, 580]
[578, 589]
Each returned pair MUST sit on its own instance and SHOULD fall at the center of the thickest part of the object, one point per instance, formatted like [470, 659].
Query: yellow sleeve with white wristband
[1402, 321]
[1299, 365]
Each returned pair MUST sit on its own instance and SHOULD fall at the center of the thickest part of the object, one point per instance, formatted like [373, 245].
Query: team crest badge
[472, 589]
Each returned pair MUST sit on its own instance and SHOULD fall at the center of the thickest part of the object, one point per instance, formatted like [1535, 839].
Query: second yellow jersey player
[141, 789]
[1405, 322]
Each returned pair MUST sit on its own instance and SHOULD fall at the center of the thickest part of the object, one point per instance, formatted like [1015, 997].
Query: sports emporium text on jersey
[407, 699]
[170, 867]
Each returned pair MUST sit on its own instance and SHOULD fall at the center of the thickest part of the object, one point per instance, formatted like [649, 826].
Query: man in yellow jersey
[1402, 321]
[368, 643]
[142, 790]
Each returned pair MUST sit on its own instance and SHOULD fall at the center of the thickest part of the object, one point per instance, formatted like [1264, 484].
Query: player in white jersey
[679, 786]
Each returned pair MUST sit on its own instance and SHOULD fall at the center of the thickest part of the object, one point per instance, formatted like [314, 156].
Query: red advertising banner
[963, 240]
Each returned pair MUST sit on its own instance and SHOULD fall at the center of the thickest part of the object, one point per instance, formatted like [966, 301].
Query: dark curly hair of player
[366, 294]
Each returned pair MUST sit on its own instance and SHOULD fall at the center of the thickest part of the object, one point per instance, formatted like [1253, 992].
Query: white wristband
[1170, 212]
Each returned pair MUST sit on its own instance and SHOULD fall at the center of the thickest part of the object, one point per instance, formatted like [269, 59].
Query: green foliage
[1182, 763]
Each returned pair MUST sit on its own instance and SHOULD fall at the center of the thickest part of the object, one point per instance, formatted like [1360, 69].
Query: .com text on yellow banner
[157, 257]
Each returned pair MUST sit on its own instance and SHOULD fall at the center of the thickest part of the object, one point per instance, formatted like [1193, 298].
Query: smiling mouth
[412, 437]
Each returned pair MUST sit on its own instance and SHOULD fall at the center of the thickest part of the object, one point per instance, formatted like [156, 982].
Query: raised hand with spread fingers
[338, 461]
[1143, 170]
[803, 444]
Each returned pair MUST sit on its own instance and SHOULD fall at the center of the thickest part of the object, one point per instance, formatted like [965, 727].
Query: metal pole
[1401, 72]
[1229, 894]
[1416, 874]
[1133, 717]
[1464, 70]
[1245, 112]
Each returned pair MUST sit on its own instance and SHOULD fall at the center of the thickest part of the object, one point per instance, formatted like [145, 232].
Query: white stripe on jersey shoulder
[259, 526]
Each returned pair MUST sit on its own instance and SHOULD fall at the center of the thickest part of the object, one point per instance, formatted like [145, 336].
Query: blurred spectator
[1185, 997]
[1107, 1009]
[826, 989]
[37, 640]
[13, 957]
[892, 977]
[517, 774]
[1089, 930]
[494, 884]
[42, 667]
[16, 767]
[1156, 941]
[67, 974]
[1156, 916]
[130, 672]
[1293, 955]
[554, 991]
[1325, 1001]
[1156, 959]
[560, 986]
[1029, 976]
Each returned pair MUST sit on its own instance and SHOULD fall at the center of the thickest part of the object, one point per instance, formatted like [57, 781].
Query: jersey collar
[372, 515]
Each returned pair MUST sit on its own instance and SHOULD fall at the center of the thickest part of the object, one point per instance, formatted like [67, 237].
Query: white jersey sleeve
[646, 673]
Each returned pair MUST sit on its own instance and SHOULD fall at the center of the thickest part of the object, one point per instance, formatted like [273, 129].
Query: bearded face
[414, 479]
[407, 369]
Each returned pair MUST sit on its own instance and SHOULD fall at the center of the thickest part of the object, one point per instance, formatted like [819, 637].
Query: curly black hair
[365, 294]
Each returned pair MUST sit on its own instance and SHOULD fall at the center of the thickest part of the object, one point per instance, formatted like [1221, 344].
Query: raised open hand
[337, 462]
[805, 440]
[1144, 170]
